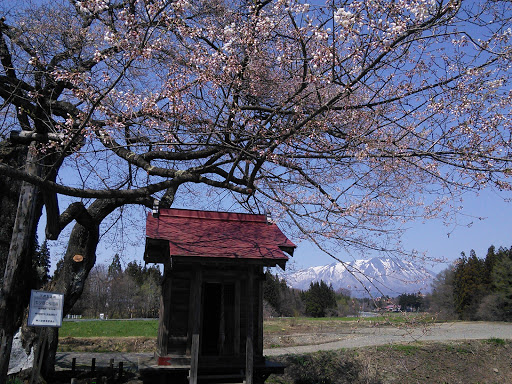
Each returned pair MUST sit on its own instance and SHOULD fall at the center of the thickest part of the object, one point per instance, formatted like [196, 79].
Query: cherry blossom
[347, 118]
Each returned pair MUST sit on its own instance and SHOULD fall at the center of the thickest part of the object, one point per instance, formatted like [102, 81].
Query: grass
[109, 328]
[496, 341]
[149, 328]
[14, 380]
[276, 325]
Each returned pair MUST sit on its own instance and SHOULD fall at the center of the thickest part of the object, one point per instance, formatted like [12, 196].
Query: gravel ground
[356, 337]
[365, 337]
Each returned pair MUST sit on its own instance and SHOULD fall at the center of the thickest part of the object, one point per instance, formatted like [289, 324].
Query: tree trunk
[15, 288]
[14, 156]
[83, 241]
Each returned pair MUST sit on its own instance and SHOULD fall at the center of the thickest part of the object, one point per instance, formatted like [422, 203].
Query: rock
[19, 359]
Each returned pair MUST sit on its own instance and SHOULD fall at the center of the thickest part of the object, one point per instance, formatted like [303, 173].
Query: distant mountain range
[380, 276]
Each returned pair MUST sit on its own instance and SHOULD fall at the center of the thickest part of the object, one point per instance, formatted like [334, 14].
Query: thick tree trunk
[83, 241]
[70, 281]
[14, 156]
[16, 284]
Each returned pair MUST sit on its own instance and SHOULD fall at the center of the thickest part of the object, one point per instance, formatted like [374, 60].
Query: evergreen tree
[490, 261]
[319, 299]
[141, 274]
[469, 285]
[285, 301]
[134, 292]
[271, 291]
[135, 271]
[115, 268]
[290, 302]
[502, 285]
[476, 289]
[412, 301]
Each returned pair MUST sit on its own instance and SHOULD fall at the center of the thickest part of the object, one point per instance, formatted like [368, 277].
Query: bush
[490, 308]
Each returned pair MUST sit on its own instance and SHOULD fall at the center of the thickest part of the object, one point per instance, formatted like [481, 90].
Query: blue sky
[485, 221]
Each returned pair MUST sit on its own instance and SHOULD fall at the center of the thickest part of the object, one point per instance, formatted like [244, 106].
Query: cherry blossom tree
[346, 119]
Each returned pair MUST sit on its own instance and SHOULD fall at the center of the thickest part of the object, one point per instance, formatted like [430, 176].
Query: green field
[149, 328]
[281, 324]
[109, 328]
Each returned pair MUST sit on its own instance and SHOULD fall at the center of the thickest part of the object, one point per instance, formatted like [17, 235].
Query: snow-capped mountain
[380, 276]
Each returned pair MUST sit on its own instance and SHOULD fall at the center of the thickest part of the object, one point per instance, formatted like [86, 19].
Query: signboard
[45, 309]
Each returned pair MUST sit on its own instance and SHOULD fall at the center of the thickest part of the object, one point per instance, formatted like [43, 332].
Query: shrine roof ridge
[212, 215]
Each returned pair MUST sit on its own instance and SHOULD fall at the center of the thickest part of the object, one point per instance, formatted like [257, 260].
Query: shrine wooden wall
[222, 286]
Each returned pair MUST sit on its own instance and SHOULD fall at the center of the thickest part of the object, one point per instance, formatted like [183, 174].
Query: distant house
[211, 317]
[392, 308]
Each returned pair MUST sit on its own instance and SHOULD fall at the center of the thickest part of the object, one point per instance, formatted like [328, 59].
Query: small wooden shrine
[211, 315]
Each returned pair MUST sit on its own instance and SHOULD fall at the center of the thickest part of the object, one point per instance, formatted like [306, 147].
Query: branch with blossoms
[209, 94]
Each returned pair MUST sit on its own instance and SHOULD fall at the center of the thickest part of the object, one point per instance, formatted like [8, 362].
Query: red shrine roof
[219, 235]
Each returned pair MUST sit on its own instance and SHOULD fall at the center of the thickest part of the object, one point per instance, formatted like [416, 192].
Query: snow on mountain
[378, 276]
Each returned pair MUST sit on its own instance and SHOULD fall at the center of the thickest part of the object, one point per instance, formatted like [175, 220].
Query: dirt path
[356, 337]
[367, 336]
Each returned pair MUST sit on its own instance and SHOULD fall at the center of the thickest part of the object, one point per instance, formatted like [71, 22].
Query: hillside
[464, 362]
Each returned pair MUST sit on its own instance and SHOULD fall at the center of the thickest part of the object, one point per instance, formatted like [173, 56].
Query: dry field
[367, 351]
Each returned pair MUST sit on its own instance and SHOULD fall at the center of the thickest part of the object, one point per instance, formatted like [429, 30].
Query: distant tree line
[117, 293]
[474, 288]
[135, 292]
[411, 302]
[320, 300]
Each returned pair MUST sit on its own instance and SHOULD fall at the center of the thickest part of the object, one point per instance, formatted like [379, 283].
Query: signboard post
[45, 310]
